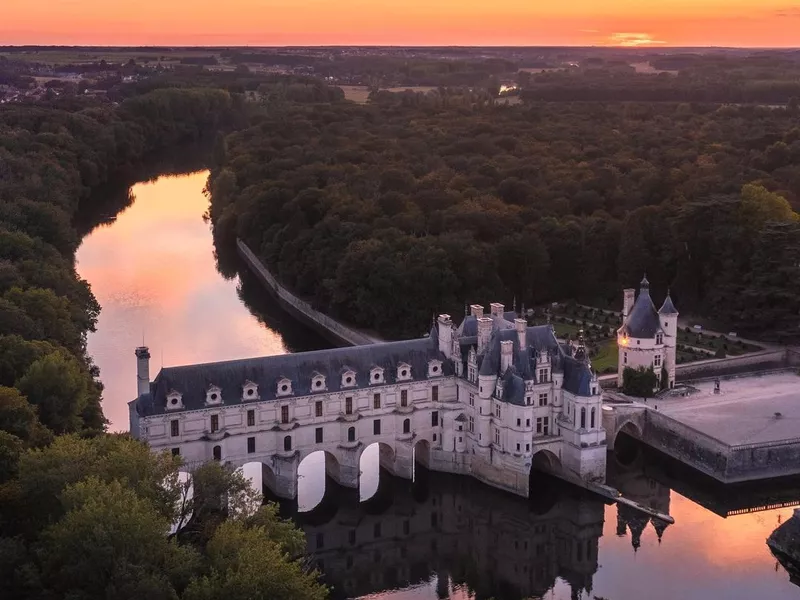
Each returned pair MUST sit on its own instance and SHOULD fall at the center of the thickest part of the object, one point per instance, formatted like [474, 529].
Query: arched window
[287, 443]
[592, 419]
[217, 453]
[583, 417]
[351, 434]
[407, 426]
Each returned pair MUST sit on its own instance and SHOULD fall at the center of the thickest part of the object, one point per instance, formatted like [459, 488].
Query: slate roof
[193, 380]
[643, 321]
[577, 377]
[668, 308]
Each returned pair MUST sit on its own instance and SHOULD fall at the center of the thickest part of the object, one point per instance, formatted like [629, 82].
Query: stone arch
[422, 454]
[314, 471]
[262, 477]
[545, 460]
[373, 460]
[217, 452]
[625, 447]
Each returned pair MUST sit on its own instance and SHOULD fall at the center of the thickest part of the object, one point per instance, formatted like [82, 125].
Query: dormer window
[250, 391]
[659, 338]
[376, 376]
[434, 368]
[284, 387]
[349, 379]
[174, 400]
[213, 395]
[318, 383]
[403, 372]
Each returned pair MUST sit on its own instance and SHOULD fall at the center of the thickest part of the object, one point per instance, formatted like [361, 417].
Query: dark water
[154, 273]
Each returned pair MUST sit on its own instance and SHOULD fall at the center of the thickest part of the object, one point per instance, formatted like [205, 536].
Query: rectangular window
[403, 397]
[472, 399]
[176, 452]
[542, 375]
[435, 393]
[284, 414]
[214, 423]
[517, 447]
[348, 405]
[251, 445]
[318, 408]
[657, 361]
[376, 401]
[497, 411]
[527, 422]
[434, 437]
[625, 358]
[472, 425]
[528, 400]
[174, 428]
[542, 399]
[519, 422]
[496, 436]
[527, 447]
[435, 418]
[376, 427]
[546, 426]
[251, 418]
[318, 435]
[539, 425]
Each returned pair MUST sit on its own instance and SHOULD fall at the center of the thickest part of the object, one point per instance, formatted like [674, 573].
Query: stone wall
[686, 444]
[763, 461]
[758, 361]
[302, 309]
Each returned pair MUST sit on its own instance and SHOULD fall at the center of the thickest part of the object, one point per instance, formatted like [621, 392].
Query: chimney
[476, 310]
[506, 355]
[445, 327]
[142, 370]
[497, 309]
[628, 297]
[521, 325]
[484, 333]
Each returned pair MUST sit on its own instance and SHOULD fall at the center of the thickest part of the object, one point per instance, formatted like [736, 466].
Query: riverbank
[335, 330]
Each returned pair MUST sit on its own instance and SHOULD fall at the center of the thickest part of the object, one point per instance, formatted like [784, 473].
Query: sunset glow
[768, 23]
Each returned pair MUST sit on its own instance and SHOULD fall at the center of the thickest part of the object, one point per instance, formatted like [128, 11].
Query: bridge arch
[626, 444]
[261, 476]
[545, 460]
[314, 471]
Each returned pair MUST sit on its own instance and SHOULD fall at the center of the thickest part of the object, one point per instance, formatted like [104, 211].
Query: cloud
[633, 39]
[789, 13]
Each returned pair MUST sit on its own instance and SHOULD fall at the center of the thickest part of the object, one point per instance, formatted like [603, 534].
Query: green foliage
[452, 200]
[91, 518]
[640, 382]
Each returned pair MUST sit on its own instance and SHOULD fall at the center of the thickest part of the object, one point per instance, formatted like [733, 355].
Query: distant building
[648, 337]
[489, 398]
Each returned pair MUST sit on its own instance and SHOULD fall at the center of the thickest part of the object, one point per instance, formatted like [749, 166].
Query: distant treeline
[386, 214]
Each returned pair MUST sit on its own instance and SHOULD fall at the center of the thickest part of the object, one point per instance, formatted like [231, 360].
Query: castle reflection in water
[466, 534]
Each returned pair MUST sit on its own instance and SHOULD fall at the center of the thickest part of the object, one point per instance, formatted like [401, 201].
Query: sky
[751, 23]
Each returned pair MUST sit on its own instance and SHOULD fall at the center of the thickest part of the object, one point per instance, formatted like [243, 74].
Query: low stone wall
[758, 361]
[687, 444]
[764, 461]
[302, 309]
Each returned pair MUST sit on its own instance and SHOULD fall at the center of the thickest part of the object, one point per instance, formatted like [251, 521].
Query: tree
[18, 418]
[639, 382]
[58, 387]
[111, 543]
[246, 564]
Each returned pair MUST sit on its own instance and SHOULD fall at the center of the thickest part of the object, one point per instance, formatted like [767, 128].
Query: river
[154, 273]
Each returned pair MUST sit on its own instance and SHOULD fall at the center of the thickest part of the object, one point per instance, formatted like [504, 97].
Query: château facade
[647, 338]
[489, 398]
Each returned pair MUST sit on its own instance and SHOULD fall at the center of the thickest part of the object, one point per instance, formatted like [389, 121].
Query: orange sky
[401, 22]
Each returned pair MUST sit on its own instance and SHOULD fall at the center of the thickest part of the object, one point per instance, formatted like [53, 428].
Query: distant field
[356, 93]
[645, 67]
[61, 57]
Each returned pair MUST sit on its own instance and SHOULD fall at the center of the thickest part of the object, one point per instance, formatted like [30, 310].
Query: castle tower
[445, 327]
[669, 322]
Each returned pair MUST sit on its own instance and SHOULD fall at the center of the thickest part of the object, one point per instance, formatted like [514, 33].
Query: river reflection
[154, 274]
[451, 537]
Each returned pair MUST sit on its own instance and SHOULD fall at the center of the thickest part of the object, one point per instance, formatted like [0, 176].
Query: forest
[416, 204]
[85, 514]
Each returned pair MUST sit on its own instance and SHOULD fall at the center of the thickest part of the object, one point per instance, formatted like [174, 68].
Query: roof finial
[466, 308]
[645, 284]
[514, 304]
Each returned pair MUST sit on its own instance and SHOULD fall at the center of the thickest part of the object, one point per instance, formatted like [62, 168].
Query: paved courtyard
[744, 411]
